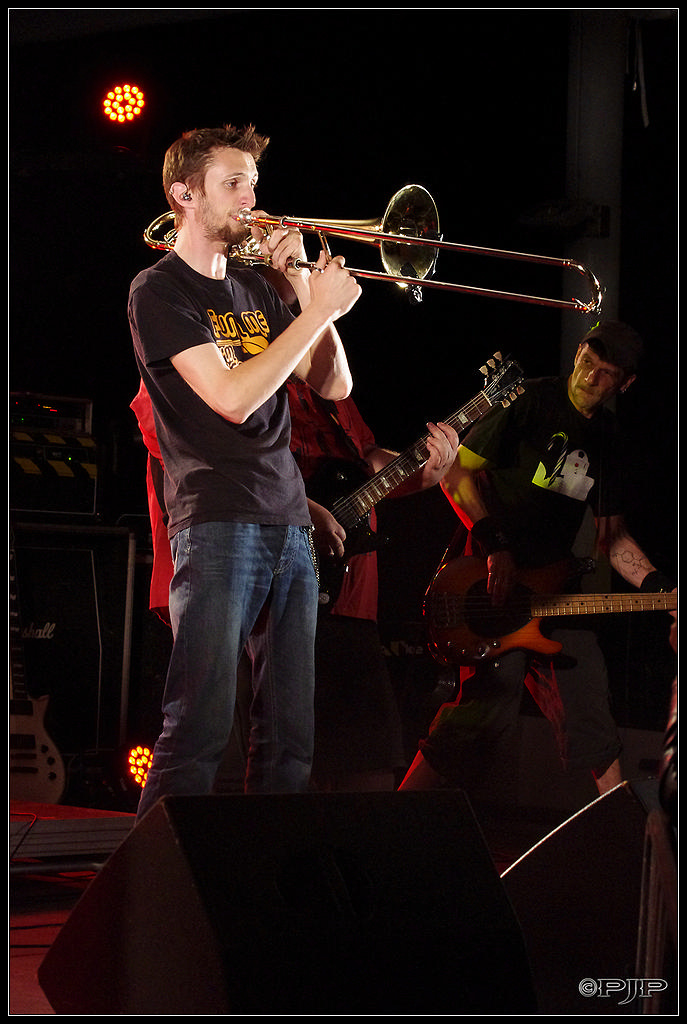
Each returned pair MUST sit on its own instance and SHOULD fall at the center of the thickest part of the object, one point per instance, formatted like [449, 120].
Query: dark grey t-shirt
[214, 470]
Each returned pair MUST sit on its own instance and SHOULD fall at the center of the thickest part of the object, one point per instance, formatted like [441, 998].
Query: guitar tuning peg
[490, 362]
[483, 370]
[505, 402]
[498, 357]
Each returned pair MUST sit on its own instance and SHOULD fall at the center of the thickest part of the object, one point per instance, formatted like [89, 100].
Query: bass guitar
[331, 485]
[465, 627]
[36, 769]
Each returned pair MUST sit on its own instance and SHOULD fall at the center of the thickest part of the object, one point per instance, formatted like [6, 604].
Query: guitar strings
[457, 607]
[352, 502]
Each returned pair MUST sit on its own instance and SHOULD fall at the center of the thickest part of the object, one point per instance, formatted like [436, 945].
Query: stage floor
[54, 852]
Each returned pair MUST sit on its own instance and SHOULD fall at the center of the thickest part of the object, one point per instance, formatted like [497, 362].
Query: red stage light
[123, 103]
[139, 762]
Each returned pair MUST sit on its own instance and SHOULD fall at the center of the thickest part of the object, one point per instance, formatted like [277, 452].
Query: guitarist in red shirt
[522, 483]
[358, 735]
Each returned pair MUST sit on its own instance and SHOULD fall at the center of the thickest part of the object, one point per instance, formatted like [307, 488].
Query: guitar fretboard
[448, 610]
[544, 605]
[349, 510]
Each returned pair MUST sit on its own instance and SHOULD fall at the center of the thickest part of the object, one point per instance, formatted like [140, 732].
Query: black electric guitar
[465, 627]
[36, 769]
[331, 485]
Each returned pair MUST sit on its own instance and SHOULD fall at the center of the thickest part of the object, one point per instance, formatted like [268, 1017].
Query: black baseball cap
[616, 343]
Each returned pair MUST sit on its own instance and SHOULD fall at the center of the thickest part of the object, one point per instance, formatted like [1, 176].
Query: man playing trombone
[214, 347]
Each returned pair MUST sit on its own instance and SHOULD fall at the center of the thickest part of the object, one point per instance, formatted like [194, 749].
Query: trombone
[410, 225]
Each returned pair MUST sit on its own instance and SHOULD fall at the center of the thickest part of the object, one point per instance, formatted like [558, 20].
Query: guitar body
[337, 479]
[466, 628]
[36, 769]
[333, 482]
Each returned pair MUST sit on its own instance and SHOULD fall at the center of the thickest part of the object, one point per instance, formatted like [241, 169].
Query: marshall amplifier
[75, 597]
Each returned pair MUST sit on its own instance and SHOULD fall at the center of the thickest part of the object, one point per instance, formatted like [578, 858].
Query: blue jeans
[238, 585]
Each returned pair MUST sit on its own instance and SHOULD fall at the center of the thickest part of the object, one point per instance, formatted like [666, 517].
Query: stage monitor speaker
[295, 904]
[75, 587]
[577, 895]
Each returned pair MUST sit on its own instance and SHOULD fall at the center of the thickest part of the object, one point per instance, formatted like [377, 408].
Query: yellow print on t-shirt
[247, 331]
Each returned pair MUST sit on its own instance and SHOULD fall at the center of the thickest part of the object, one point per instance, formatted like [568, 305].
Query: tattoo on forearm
[630, 563]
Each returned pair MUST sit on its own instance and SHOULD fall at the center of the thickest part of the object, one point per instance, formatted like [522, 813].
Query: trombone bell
[411, 212]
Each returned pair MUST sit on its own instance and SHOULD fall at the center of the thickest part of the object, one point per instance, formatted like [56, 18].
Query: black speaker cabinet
[294, 904]
[577, 895]
[74, 587]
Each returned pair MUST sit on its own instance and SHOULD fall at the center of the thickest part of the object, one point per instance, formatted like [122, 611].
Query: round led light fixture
[139, 759]
[124, 103]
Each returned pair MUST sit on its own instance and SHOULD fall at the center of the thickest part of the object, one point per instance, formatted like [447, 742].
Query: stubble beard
[228, 231]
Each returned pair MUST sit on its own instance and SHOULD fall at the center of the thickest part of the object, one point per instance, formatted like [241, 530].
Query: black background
[471, 104]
